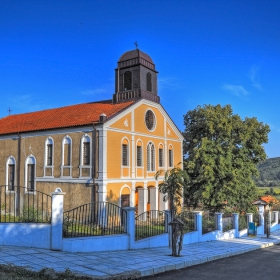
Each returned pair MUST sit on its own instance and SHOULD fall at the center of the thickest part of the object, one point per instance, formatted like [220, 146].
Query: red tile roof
[268, 199]
[69, 116]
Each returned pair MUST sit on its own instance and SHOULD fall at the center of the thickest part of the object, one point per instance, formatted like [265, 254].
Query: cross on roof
[136, 45]
[9, 110]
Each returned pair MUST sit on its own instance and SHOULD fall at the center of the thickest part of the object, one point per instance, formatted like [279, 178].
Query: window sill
[10, 191]
[30, 192]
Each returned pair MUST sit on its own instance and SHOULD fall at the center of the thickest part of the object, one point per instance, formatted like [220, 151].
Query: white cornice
[142, 134]
[67, 130]
[65, 180]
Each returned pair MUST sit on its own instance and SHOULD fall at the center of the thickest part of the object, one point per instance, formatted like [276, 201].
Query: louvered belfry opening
[149, 82]
[127, 80]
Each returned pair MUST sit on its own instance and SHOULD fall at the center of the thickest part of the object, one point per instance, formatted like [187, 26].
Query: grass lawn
[276, 190]
[11, 272]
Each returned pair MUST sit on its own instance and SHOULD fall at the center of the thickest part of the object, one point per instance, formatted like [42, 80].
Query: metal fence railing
[242, 223]
[227, 221]
[20, 205]
[189, 221]
[150, 223]
[208, 222]
[93, 219]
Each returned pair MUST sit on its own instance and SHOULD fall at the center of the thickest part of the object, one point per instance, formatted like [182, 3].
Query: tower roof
[135, 54]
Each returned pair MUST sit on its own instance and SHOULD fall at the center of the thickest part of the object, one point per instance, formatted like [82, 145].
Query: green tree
[172, 186]
[221, 156]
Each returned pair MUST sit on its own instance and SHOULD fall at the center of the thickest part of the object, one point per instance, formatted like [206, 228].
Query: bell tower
[135, 77]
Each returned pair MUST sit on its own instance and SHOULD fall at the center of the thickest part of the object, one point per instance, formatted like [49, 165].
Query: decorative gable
[123, 123]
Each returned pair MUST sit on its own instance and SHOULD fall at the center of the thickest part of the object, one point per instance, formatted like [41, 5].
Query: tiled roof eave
[50, 128]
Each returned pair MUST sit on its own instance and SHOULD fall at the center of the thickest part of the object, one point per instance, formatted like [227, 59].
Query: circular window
[150, 120]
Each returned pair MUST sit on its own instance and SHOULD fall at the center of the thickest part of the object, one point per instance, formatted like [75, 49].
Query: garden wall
[49, 236]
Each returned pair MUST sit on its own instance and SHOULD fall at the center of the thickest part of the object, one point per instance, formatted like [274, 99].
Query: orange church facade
[101, 151]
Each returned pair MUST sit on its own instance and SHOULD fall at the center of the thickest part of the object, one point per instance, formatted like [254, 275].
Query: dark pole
[18, 176]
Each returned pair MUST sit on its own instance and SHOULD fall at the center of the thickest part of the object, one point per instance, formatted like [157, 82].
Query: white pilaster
[102, 192]
[133, 156]
[132, 195]
[163, 205]
[102, 172]
[153, 198]
[165, 155]
[142, 200]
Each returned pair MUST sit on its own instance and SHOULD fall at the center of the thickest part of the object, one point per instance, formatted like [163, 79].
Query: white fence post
[236, 224]
[275, 215]
[219, 221]
[198, 223]
[261, 214]
[167, 226]
[57, 219]
[249, 218]
[130, 225]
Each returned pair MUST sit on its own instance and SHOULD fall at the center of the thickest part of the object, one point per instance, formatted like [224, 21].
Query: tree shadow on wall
[112, 198]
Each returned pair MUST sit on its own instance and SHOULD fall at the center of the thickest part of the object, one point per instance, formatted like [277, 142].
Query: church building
[100, 151]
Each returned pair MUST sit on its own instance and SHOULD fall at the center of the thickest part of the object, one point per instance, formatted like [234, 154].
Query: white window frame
[151, 163]
[48, 141]
[68, 139]
[11, 160]
[170, 148]
[142, 158]
[85, 139]
[163, 162]
[128, 158]
[128, 161]
[30, 160]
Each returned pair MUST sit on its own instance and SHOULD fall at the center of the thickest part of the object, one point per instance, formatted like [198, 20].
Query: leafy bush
[208, 224]
[242, 223]
[32, 215]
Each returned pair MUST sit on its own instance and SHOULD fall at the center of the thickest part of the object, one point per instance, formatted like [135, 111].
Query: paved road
[263, 264]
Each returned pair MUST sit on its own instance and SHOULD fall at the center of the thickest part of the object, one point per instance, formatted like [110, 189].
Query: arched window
[170, 156]
[66, 160]
[139, 154]
[49, 152]
[85, 157]
[160, 155]
[10, 177]
[86, 150]
[66, 144]
[30, 173]
[150, 157]
[125, 159]
[127, 80]
[149, 82]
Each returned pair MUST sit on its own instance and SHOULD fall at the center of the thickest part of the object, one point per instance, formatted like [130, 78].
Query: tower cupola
[135, 77]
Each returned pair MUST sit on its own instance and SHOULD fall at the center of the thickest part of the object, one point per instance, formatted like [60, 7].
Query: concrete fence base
[50, 236]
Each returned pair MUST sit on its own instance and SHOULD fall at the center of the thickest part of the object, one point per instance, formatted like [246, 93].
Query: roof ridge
[26, 113]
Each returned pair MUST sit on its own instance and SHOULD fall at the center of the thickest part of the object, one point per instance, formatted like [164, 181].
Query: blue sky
[56, 53]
